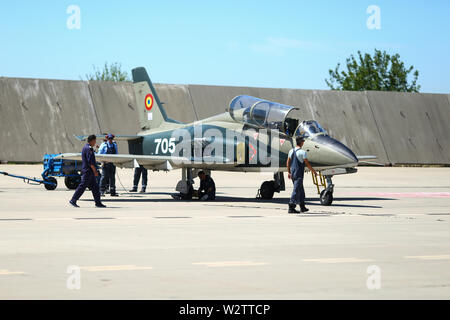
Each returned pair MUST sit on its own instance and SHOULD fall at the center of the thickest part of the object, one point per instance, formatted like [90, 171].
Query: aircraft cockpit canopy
[265, 114]
[309, 128]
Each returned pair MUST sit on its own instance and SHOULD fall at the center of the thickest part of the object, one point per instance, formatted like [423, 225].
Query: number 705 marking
[165, 144]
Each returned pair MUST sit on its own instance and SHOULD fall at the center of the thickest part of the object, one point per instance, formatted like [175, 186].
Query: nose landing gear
[326, 195]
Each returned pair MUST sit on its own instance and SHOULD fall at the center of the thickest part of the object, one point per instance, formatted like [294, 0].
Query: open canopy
[264, 113]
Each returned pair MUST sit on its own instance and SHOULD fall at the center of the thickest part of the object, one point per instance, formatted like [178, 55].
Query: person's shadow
[220, 198]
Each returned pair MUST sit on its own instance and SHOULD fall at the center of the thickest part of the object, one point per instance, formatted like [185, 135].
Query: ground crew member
[207, 190]
[137, 175]
[89, 173]
[99, 177]
[109, 169]
[296, 168]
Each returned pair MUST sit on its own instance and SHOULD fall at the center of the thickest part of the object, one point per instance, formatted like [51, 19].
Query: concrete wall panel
[41, 116]
[414, 127]
[115, 106]
[211, 100]
[176, 101]
[116, 109]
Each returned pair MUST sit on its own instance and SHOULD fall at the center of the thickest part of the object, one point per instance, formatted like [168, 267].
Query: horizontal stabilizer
[129, 160]
[366, 157]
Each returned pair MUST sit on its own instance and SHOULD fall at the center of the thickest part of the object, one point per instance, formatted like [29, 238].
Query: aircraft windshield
[264, 113]
[309, 128]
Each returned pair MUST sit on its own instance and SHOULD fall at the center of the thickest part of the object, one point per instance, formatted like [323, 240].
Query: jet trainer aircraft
[253, 135]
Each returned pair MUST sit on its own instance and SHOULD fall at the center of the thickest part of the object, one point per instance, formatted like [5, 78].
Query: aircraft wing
[132, 160]
[153, 162]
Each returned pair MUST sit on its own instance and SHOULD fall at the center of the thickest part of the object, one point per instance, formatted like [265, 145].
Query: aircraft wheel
[49, 186]
[73, 181]
[267, 190]
[326, 198]
[189, 194]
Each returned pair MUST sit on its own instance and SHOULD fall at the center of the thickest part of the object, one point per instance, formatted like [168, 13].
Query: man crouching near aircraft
[296, 168]
[89, 174]
[207, 190]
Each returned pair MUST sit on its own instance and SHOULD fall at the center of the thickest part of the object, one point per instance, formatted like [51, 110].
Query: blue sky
[283, 44]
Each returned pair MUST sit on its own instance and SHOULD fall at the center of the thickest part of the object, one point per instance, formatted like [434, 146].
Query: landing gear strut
[326, 195]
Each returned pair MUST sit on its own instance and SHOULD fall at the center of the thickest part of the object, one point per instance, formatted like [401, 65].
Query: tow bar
[49, 183]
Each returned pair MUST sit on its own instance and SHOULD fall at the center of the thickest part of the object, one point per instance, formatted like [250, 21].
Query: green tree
[110, 72]
[381, 72]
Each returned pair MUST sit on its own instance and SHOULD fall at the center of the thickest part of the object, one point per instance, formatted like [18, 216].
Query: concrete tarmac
[387, 236]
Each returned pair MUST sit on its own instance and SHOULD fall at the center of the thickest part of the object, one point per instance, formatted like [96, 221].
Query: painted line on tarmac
[171, 217]
[95, 218]
[245, 216]
[52, 219]
[4, 272]
[337, 260]
[217, 264]
[127, 267]
[376, 214]
[400, 194]
[432, 257]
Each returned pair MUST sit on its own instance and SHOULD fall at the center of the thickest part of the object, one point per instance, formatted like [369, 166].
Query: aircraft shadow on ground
[131, 197]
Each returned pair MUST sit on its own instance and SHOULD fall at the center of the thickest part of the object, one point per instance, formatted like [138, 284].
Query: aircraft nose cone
[343, 154]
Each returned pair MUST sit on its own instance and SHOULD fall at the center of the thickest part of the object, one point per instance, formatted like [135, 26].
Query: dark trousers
[108, 177]
[298, 194]
[137, 175]
[211, 195]
[88, 180]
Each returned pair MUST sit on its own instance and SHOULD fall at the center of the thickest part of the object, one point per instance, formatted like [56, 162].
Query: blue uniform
[297, 171]
[108, 148]
[137, 175]
[109, 169]
[207, 187]
[87, 178]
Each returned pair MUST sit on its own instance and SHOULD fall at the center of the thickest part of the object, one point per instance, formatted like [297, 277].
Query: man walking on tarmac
[89, 174]
[296, 168]
[109, 169]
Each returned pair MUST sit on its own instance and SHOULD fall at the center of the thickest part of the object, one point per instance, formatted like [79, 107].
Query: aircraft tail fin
[151, 112]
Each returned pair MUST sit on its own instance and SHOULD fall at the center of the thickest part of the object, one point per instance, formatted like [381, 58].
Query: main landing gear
[268, 188]
[186, 185]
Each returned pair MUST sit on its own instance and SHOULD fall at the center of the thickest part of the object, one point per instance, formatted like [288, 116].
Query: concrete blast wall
[414, 128]
[41, 116]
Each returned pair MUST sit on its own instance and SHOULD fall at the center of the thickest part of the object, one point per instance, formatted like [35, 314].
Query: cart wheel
[72, 182]
[51, 186]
